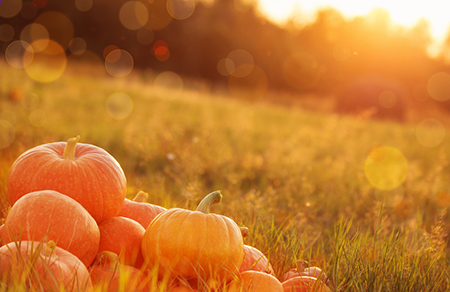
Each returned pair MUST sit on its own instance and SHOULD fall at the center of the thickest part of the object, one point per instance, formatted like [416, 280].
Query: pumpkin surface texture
[194, 243]
[140, 211]
[255, 260]
[255, 281]
[49, 215]
[84, 172]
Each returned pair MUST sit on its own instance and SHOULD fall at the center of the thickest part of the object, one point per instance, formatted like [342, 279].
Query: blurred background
[396, 55]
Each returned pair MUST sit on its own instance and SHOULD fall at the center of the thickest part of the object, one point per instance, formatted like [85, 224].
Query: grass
[296, 178]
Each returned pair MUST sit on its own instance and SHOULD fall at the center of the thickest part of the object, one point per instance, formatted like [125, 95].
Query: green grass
[294, 177]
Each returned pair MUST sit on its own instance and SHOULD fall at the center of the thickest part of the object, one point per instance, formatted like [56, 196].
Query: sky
[403, 12]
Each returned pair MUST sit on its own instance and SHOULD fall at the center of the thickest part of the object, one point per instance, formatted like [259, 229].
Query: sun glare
[402, 12]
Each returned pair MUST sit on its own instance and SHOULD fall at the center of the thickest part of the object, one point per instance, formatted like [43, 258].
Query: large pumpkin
[194, 243]
[42, 267]
[139, 210]
[49, 215]
[255, 281]
[84, 172]
[122, 236]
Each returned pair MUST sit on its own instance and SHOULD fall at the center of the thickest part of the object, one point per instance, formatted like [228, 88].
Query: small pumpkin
[255, 260]
[84, 172]
[49, 215]
[194, 243]
[304, 284]
[42, 266]
[255, 281]
[140, 211]
[108, 274]
[122, 236]
[315, 272]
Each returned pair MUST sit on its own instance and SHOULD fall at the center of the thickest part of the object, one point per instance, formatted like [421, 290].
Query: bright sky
[404, 12]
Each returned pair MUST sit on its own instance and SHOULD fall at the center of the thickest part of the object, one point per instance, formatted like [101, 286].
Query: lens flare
[77, 46]
[59, 27]
[439, 86]
[386, 168]
[33, 32]
[7, 134]
[84, 5]
[430, 132]
[108, 49]
[10, 9]
[19, 54]
[17, 93]
[169, 84]
[6, 32]
[40, 3]
[239, 63]
[443, 199]
[222, 67]
[119, 105]
[159, 17]
[387, 99]
[417, 240]
[48, 64]
[133, 15]
[180, 9]
[119, 63]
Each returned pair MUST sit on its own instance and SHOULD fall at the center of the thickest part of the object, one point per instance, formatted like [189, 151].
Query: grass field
[300, 180]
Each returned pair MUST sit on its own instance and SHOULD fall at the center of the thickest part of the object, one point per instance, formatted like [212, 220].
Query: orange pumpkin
[42, 266]
[122, 236]
[84, 172]
[140, 211]
[194, 243]
[255, 281]
[49, 215]
[108, 274]
[304, 284]
[1, 231]
[255, 260]
[302, 271]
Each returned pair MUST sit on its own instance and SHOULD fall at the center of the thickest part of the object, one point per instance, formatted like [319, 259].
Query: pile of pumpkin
[70, 228]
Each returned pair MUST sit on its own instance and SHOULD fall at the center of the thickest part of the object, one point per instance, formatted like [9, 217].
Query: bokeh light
[386, 168]
[31, 101]
[84, 5]
[59, 27]
[37, 118]
[33, 32]
[169, 84]
[86, 64]
[301, 71]
[8, 116]
[48, 64]
[180, 9]
[239, 63]
[420, 92]
[29, 11]
[119, 63]
[387, 99]
[402, 208]
[161, 50]
[119, 105]
[430, 132]
[40, 3]
[251, 87]
[10, 8]
[17, 93]
[439, 86]
[7, 134]
[341, 52]
[77, 46]
[133, 15]
[19, 54]
[6, 32]
[145, 36]
[443, 199]
[222, 67]
[159, 17]
[108, 49]
[417, 240]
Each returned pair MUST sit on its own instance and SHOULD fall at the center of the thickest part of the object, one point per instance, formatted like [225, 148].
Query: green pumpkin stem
[141, 197]
[69, 150]
[212, 198]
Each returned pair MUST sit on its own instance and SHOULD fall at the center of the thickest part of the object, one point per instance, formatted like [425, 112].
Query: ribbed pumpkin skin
[59, 265]
[54, 216]
[143, 213]
[254, 281]
[93, 178]
[255, 260]
[193, 244]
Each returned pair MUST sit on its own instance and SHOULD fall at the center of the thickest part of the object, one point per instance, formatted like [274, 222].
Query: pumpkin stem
[210, 199]
[301, 265]
[244, 231]
[49, 248]
[107, 257]
[69, 150]
[141, 197]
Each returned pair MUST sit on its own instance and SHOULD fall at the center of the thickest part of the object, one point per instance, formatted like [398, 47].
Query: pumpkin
[255, 260]
[302, 271]
[1, 231]
[304, 284]
[255, 281]
[50, 215]
[84, 172]
[122, 236]
[108, 274]
[194, 243]
[140, 211]
[42, 266]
